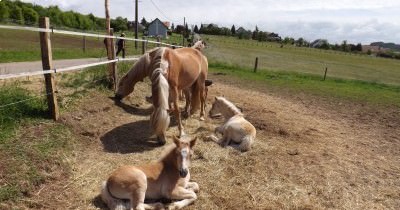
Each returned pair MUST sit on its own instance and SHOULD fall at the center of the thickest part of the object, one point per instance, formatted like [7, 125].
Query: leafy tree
[54, 13]
[196, 29]
[233, 30]
[144, 22]
[344, 46]
[119, 24]
[31, 17]
[255, 34]
[4, 11]
[17, 14]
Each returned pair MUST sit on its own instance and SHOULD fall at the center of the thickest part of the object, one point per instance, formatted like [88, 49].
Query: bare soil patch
[308, 154]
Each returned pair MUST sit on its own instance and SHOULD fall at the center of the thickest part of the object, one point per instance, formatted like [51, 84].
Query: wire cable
[161, 12]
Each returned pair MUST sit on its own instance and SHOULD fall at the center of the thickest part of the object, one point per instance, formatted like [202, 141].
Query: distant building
[209, 25]
[318, 43]
[157, 28]
[373, 49]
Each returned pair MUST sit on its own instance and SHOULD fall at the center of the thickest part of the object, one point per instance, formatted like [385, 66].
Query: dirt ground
[308, 154]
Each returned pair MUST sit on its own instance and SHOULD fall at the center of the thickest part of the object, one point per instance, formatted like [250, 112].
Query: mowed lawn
[272, 57]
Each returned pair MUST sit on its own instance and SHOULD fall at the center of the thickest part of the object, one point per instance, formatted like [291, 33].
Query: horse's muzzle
[118, 97]
[183, 172]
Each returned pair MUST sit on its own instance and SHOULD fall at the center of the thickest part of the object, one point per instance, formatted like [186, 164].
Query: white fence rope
[82, 34]
[58, 70]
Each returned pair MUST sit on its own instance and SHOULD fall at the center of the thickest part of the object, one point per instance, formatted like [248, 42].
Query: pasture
[272, 57]
[319, 145]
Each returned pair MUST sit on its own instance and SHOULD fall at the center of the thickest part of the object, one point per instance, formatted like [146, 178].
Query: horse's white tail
[112, 203]
[246, 143]
[159, 119]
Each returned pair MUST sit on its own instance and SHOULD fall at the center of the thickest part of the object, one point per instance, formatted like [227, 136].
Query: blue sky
[356, 21]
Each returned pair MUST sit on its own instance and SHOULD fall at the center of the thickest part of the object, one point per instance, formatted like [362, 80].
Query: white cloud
[336, 20]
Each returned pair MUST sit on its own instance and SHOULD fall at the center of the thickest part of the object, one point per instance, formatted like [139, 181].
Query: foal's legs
[193, 186]
[185, 196]
[175, 93]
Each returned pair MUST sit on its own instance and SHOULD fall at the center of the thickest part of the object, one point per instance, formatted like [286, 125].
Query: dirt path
[305, 157]
[18, 67]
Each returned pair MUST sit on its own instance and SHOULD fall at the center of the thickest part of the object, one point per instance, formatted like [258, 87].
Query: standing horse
[167, 178]
[183, 68]
[236, 128]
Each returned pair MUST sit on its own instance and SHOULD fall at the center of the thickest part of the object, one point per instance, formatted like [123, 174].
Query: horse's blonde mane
[230, 105]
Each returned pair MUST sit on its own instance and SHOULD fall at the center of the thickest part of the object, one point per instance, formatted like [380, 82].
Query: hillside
[392, 46]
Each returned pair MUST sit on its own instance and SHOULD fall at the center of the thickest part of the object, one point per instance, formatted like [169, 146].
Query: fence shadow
[130, 138]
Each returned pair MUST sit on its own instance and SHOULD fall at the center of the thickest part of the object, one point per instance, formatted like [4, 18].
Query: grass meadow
[242, 53]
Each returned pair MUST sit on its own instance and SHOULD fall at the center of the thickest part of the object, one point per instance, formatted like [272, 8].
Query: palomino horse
[199, 45]
[236, 128]
[183, 68]
[167, 178]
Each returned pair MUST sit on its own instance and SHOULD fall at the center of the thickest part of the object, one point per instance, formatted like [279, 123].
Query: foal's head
[183, 152]
[216, 107]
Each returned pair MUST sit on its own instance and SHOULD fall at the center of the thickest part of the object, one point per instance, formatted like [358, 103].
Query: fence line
[57, 31]
[65, 69]
[28, 99]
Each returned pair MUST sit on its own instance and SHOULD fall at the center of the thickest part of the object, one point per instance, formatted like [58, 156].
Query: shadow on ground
[129, 138]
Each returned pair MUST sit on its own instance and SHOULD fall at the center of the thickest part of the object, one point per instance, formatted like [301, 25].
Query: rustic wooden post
[47, 63]
[326, 70]
[158, 40]
[84, 44]
[144, 45]
[112, 67]
[256, 65]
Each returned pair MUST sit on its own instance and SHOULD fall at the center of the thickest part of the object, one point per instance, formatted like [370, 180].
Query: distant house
[318, 43]
[240, 30]
[373, 49]
[157, 28]
[209, 25]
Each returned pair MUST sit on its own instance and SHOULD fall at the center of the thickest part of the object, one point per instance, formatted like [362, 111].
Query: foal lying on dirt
[167, 178]
[235, 128]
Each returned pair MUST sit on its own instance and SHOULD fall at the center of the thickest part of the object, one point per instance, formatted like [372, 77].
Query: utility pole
[183, 31]
[136, 23]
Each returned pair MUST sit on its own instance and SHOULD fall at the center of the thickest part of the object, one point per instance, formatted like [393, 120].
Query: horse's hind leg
[177, 111]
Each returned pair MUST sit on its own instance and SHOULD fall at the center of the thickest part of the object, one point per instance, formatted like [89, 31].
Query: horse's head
[127, 83]
[199, 45]
[183, 152]
[216, 107]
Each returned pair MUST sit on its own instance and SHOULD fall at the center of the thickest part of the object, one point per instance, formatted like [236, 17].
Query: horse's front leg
[185, 197]
[193, 186]
[175, 99]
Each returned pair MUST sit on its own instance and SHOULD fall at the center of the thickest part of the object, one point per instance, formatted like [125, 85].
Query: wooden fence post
[326, 70]
[112, 67]
[144, 45]
[158, 40]
[256, 65]
[47, 64]
[84, 44]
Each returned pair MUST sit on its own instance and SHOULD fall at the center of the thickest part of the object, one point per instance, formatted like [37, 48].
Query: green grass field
[18, 46]
[272, 57]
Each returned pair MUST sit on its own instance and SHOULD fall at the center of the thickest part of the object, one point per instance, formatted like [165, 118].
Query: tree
[4, 12]
[172, 27]
[144, 22]
[344, 46]
[17, 14]
[31, 17]
[119, 24]
[54, 13]
[196, 29]
[300, 42]
[233, 30]
[255, 34]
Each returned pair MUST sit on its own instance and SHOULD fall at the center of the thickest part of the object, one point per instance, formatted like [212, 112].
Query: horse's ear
[193, 142]
[176, 141]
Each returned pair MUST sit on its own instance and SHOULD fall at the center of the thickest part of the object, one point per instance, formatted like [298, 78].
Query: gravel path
[18, 67]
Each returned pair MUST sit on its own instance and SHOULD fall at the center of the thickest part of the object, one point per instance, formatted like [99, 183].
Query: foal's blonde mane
[230, 106]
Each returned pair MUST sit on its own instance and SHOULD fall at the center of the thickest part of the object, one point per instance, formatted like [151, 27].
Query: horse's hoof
[202, 119]
[161, 141]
